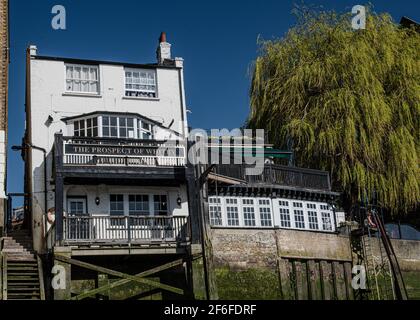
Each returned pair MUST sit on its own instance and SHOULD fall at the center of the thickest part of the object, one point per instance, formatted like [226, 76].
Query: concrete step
[14, 279]
[22, 279]
[23, 296]
[22, 264]
[27, 258]
[21, 269]
[24, 284]
[14, 250]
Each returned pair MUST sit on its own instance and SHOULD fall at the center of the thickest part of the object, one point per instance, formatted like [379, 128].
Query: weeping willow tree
[349, 100]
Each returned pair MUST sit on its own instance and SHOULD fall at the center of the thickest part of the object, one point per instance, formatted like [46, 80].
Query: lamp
[179, 200]
[97, 201]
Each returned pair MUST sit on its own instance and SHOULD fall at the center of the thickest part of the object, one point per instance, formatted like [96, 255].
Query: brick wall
[4, 62]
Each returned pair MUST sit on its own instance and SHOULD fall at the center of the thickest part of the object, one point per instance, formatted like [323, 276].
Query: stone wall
[248, 248]
[252, 263]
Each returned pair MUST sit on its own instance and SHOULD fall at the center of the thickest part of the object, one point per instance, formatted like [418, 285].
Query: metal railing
[125, 229]
[122, 152]
[280, 175]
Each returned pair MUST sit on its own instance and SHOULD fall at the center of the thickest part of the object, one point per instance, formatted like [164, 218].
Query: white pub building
[113, 178]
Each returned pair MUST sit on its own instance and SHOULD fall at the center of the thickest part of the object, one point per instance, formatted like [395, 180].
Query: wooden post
[340, 280]
[63, 293]
[193, 205]
[348, 278]
[284, 278]
[315, 280]
[326, 280]
[59, 189]
[210, 280]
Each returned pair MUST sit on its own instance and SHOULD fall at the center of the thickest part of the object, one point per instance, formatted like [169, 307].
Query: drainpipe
[26, 145]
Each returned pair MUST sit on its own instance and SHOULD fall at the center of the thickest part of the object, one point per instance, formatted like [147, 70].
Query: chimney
[164, 50]
[33, 50]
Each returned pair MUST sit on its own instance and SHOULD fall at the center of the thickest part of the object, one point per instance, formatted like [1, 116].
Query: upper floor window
[82, 79]
[140, 83]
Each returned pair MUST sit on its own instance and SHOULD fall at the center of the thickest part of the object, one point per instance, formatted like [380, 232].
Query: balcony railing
[279, 175]
[78, 151]
[108, 229]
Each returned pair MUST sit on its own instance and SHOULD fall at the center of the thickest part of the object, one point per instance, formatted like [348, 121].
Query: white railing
[125, 229]
[162, 155]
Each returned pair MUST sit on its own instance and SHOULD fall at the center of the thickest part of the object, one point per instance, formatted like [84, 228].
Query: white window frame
[235, 205]
[141, 93]
[252, 206]
[302, 213]
[325, 210]
[259, 213]
[90, 81]
[150, 194]
[274, 205]
[85, 122]
[216, 207]
[141, 130]
[284, 204]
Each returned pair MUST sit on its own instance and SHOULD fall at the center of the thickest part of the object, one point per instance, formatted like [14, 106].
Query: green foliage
[349, 100]
[250, 284]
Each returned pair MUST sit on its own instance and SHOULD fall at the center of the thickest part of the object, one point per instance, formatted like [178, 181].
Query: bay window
[86, 127]
[110, 127]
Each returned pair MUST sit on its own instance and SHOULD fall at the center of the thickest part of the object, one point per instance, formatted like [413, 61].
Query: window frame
[251, 208]
[141, 93]
[76, 132]
[235, 211]
[215, 211]
[262, 205]
[72, 79]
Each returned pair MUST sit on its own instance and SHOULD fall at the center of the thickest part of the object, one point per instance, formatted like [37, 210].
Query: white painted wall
[103, 192]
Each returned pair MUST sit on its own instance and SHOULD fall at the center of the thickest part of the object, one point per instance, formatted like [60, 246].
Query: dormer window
[82, 79]
[140, 83]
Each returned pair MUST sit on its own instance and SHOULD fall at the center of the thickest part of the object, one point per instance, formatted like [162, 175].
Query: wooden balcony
[79, 151]
[123, 230]
[279, 175]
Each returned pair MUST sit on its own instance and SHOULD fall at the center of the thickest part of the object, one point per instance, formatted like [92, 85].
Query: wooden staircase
[22, 269]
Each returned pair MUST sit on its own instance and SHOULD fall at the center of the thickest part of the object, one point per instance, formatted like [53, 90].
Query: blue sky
[217, 39]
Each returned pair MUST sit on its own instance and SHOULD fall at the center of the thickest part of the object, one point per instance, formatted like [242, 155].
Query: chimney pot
[33, 50]
[162, 37]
